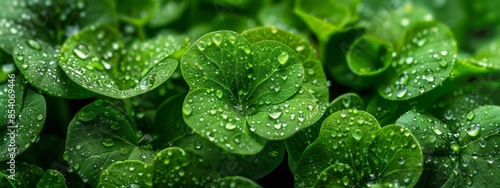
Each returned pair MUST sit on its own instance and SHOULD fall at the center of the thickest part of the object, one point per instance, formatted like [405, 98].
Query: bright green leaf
[352, 141]
[460, 154]
[423, 62]
[96, 60]
[137, 12]
[99, 135]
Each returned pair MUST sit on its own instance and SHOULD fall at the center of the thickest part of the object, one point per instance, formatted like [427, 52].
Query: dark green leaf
[52, 178]
[99, 135]
[137, 12]
[423, 62]
[127, 173]
[26, 175]
[96, 60]
[296, 144]
[29, 116]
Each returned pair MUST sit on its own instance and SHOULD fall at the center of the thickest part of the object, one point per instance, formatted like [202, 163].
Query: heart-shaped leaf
[26, 175]
[423, 62]
[23, 113]
[461, 154]
[96, 60]
[52, 178]
[353, 151]
[296, 144]
[99, 135]
[253, 90]
[134, 174]
[369, 56]
[37, 61]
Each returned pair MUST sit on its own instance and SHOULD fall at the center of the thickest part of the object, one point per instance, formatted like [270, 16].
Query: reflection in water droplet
[429, 75]
[39, 117]
[473, 130]
[147, 82]
[87, 116]
[198, 145]
[283, 58]
[81, 51]
[186, 109]
[218, 93]
[108, 143]
[275, 115]
[470, 116]
[34, 44]
[357, 134]
[401, 92]
[230, 126]
[217, 39]
[201, 45]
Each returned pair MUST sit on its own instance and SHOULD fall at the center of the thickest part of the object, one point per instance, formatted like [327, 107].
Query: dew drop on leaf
[201, 45]
[198, 145]
[87, 116]
[147, 82]
[187, 109]
[230, 126]
[81, 51]
[401, 92]
[273, 154]
[217, 39]
[123, 151]
[39, 117]
[108, 143]
[470, 116]
[275, 115]
[77, 166]
[218, 93]
[357, 134]
[473, 130]
[34, 44]
[429, 75]
[283, 58]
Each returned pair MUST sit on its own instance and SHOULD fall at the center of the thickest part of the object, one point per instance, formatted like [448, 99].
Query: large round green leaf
[96, 59]
[99, 135]
[242, 93]
[423, 61]
[353, 151]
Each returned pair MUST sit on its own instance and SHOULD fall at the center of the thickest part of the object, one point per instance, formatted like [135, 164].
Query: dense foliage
[238, 93]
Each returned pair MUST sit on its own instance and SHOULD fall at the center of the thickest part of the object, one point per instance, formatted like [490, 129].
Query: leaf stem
[129, 109]
[140, 32]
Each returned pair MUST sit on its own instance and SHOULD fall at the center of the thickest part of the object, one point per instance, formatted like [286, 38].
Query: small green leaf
[37, 61]
[459, 154]
[96, 60]
[26, 175]
[488, 56]
[423, 62]
[132, 174]
[28, 110]
[255, 90]
[137, 12]
[325, 18]
[169, 11]
[296, 144]
[352, 141]
[99, 135]
[369, 56]
[52, 178]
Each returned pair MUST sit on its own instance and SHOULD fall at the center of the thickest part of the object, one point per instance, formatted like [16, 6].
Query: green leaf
[235, 181]
[369, 56]
[325, 18]
[99, 135]
[352, 151]
[423, 62]
[169, 11]
[52, 178]
[488, 55]
[461, 154]
[26, 175]
[296, 144]
[29, 115]
[96, 60]
[134, 174]
[254, 91]
[37, 61]
[172, 131]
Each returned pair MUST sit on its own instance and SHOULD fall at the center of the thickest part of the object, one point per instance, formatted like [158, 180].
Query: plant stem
[129, 109]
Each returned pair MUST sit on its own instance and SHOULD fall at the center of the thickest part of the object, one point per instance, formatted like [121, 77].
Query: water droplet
[66, 155]
[87, 116]
[273, 154]
[404, 78]
[444, 52]
[20, 57]
[24, 66]
[77, 166]
[275, 115]
[201, 45]
[78, 147]
[401, 91]
[115, 126]
[473, 130]
[123, 151]
[81, 51]
[283, 58]
[470, 116]
[246, 49]
[429, 75]
[357, 134]
[217, 39]
[299, 48]
[187, 109]
[437, 131]
[198, 145]
[34, 44]
[409, 60]
[218, 93]
[401, 160]
[39, 117]
[230, 126]
[147, 82]
[108, 143]
[443, 63]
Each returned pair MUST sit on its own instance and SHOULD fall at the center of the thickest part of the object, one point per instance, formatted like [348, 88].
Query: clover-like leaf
[26, 175]
[424, 60]
[96, 60]
[52, 178]
[325, 18]
[134, 174]
[369, 56]
[23, 113]
[352, 150]
[174, 132]
[461, 154]
[242, 94]
[37, 61]
[296, 144]
[137, 12]
[99, 135]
